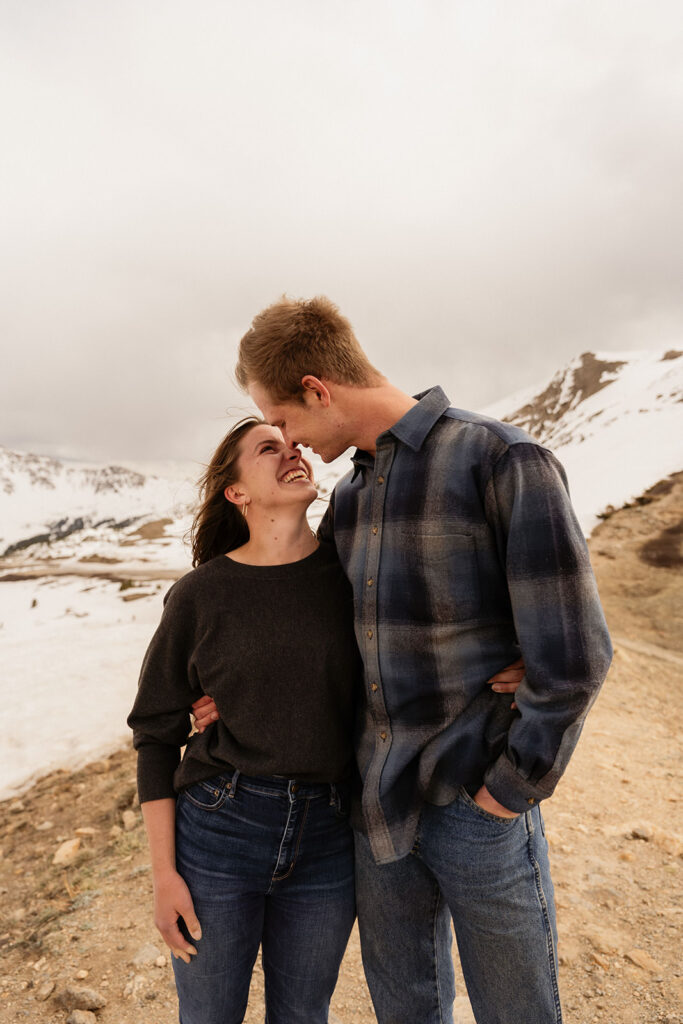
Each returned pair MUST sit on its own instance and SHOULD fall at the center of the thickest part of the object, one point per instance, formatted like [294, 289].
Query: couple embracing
[380, 707]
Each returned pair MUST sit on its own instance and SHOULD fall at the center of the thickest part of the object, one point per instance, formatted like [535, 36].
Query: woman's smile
[294, 474]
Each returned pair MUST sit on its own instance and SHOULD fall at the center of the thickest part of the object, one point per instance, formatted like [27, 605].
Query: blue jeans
[268, 862]
[489, 874]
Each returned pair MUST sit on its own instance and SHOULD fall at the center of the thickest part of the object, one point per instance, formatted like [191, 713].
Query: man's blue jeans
[492, 875]
[270, 862]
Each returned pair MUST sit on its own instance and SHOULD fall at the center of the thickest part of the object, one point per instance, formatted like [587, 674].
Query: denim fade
[268, 861]
[491, 876]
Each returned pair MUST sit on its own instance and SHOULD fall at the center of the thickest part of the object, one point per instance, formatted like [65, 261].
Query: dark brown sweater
[275, 648]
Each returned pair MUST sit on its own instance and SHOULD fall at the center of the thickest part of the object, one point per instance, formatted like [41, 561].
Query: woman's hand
[205, 713]
[172, 900]
[508, 679]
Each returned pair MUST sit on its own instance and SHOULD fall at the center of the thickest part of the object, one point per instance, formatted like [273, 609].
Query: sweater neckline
[284, 571]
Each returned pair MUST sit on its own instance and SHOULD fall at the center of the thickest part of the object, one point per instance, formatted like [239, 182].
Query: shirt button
[370, 582]
[383, 735]
[374, 687]
[374, 530]
[370, 634]
[380, 479]
[294, 788]
[531, 800]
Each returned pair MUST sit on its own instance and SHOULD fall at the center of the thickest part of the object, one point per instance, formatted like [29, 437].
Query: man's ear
[316, 387]
[234, 495]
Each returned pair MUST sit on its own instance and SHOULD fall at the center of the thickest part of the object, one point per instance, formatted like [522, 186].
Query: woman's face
[271, 475]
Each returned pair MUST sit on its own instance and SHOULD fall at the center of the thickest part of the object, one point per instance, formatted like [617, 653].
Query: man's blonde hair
[294, 337]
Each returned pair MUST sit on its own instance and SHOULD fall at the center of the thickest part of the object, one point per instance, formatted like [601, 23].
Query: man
[459, 539]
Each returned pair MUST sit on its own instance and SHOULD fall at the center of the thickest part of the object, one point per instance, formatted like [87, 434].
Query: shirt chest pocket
[446, 585]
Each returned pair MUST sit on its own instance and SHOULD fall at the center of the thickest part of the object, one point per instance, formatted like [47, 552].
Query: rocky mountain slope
[615, 421]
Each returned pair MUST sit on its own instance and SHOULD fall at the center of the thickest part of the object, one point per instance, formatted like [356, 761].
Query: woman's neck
[276, 541]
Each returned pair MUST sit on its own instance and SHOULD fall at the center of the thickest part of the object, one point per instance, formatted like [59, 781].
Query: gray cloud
[484, 191]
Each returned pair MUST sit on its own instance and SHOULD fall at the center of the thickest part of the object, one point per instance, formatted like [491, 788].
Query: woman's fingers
[176, 942]
[510, 675]
[201, 702]
[509, 678]
[205, 712]
[173, 901]
[515, 669]
[186, 910]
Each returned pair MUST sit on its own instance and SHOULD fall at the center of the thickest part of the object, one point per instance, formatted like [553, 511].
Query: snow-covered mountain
[48, 507]
[615, 421]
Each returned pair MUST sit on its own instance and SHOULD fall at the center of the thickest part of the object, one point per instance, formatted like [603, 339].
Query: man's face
[309, 423]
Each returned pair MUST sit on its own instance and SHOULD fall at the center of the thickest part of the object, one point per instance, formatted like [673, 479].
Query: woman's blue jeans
[268, 862]
[490, 876]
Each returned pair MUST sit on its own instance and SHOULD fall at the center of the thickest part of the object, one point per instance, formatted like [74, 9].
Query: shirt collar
[411, 429]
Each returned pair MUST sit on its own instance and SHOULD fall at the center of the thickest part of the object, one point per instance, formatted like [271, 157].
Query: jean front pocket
[207, 796]
[472, 805]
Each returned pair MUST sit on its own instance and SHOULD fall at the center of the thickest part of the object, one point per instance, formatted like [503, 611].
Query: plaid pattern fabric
[463, 551]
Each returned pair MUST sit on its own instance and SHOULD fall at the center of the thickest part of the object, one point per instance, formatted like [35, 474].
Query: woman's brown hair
[219, 526]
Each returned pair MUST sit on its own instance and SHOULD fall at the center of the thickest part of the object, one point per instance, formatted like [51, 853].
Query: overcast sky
[486, 190]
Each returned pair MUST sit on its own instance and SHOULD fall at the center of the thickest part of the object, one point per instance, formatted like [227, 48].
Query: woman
[249, 834]
[257, 849]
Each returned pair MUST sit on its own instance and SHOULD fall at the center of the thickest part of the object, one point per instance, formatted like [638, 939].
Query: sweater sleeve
[160, 718]
[558, 619]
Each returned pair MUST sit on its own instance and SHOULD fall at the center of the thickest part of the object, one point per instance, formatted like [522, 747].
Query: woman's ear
[235, 495]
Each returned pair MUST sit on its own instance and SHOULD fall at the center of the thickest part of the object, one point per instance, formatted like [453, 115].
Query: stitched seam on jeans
[435, 947]
[275, 794]
[280, 878]
[206, 807]
[550, 942]
[282, 843]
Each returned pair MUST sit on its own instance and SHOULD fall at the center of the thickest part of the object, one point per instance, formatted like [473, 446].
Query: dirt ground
[82, 934]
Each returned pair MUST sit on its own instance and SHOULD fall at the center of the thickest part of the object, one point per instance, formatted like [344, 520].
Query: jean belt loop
[232, 785]
[333, 795]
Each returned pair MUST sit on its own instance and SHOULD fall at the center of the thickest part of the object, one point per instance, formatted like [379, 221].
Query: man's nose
[293, 452]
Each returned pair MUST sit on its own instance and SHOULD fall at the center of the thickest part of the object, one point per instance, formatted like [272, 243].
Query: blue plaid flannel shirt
[464, 552]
